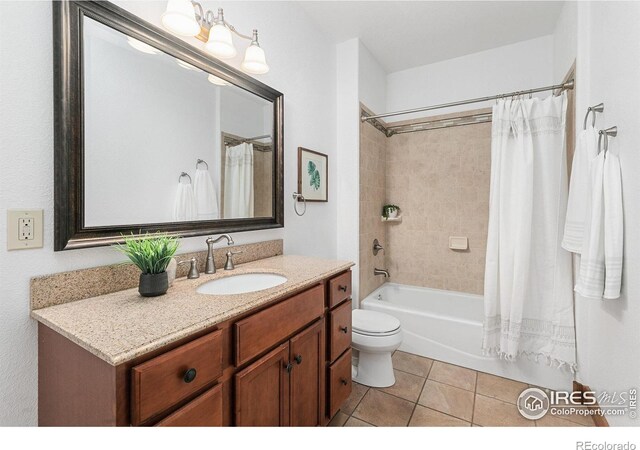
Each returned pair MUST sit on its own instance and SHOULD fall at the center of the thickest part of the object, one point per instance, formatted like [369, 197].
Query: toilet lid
[373, 322]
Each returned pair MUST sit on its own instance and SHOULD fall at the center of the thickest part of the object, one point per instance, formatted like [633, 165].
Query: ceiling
[405, 34]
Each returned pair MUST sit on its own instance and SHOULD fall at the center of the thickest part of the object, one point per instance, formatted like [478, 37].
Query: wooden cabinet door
[262, 391]
[307, 350]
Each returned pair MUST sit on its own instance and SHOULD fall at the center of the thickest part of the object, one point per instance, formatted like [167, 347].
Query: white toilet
[375, 336]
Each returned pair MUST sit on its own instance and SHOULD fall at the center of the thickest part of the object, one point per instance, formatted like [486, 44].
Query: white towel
[601, 262]
[586, 150]
[206, 199]
[613, 227]
[184, 207]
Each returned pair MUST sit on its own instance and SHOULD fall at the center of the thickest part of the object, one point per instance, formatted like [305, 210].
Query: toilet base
[374, 370]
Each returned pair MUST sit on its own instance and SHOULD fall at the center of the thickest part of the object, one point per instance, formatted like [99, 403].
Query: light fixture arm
[208, 18]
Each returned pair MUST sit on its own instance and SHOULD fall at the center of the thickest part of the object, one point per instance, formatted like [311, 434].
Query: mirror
[171, 140]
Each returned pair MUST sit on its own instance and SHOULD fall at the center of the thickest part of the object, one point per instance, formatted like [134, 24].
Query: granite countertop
[120, 326]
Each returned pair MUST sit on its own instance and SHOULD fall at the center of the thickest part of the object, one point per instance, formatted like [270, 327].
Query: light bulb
[180, 18]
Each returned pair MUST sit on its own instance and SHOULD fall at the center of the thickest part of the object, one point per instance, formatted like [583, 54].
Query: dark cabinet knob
[298, 359]
[344, 330]
[189, 375]
[344, 381]
[342, 288]
[288, 367]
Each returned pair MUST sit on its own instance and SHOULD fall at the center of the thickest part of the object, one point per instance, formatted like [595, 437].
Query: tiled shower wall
[440, 180]
[372, 197]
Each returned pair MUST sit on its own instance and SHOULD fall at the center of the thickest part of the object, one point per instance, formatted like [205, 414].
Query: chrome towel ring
[592, 109]
[611, 131]
[297, 198]
[202, 161]
[182, 175]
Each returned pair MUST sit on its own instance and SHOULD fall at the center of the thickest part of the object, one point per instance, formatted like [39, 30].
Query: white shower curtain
[528, 291]
[238, 182]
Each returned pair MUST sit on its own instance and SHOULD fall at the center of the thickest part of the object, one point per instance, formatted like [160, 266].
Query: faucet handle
[193, 269]
[228, 265]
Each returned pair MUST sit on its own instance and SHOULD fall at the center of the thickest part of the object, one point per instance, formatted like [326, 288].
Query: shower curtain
[528, 291]
[238, 182]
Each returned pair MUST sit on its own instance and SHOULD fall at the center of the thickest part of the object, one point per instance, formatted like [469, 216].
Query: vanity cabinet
[285, 363]
[285, 387]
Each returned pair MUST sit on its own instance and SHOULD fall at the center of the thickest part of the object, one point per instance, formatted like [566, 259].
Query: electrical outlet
[24, 229]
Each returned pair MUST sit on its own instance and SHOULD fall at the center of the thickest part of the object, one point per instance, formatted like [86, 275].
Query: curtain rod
[564, 86]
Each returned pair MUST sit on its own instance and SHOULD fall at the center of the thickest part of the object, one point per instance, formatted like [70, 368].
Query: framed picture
[312, 175]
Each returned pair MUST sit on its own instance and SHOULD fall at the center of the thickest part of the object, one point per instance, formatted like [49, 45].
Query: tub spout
[381, 272]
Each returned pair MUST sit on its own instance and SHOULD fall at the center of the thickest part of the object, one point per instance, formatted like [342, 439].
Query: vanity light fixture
[188, 18]
[141, 46]
[217, 80]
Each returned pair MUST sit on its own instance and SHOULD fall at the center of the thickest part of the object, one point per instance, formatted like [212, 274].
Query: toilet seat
[373, 323]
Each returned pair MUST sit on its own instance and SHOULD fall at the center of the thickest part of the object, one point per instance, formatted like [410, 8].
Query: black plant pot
[153, 284]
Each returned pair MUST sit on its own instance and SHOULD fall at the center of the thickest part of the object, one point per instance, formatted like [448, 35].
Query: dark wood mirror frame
[70, 232]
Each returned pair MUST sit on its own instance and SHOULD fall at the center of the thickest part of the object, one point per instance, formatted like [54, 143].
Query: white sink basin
[241, 284]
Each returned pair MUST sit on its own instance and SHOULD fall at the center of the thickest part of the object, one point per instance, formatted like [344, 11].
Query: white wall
[348, 174]
[504, 69]
[26, 140]
[608, 70]
[372, 80]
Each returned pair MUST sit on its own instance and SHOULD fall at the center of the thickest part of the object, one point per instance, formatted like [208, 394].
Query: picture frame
[313, 175]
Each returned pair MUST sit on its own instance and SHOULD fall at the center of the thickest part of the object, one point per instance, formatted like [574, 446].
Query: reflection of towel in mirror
[206, 199]
[185, 205]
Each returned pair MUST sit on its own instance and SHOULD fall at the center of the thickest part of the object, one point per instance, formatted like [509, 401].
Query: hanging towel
[601, 263]
[586, 150]
[613, 227]
[206, 199]
[185, 208]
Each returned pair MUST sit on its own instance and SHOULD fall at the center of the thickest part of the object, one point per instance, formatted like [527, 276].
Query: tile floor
[432, 393]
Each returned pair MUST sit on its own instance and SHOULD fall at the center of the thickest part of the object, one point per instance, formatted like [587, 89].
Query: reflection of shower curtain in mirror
[238, 182]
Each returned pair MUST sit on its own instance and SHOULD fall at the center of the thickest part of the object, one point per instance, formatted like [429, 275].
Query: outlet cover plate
[34, 216]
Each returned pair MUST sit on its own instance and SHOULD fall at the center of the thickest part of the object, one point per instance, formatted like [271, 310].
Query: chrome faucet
[381, 272]
[210, 267]
[193, 268]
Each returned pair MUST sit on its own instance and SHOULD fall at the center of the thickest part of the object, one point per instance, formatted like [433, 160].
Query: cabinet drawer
[340, 330]
[339, 382]
[339, 289]
[265, 329]
[204, 411]
[167, 379]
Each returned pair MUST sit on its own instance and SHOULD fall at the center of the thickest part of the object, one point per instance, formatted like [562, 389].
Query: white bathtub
[447, 326]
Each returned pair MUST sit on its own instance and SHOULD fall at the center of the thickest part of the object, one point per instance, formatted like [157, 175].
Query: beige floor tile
[338, 420]
[453, 375]
[426, 417]
[585, 420]
[357, 392]
[384, 410]
[490, 412]
[353, 422]
[447, 399]
[555, 421]
[407, 386]
[414, 364]
[500, 388]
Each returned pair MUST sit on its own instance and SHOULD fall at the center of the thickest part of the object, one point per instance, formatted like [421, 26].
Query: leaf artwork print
[314, 175]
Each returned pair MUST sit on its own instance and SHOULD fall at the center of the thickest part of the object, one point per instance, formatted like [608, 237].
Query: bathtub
[447, 326]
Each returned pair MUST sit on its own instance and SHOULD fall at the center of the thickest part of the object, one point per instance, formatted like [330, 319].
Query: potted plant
[151, 254]
[390, 211]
